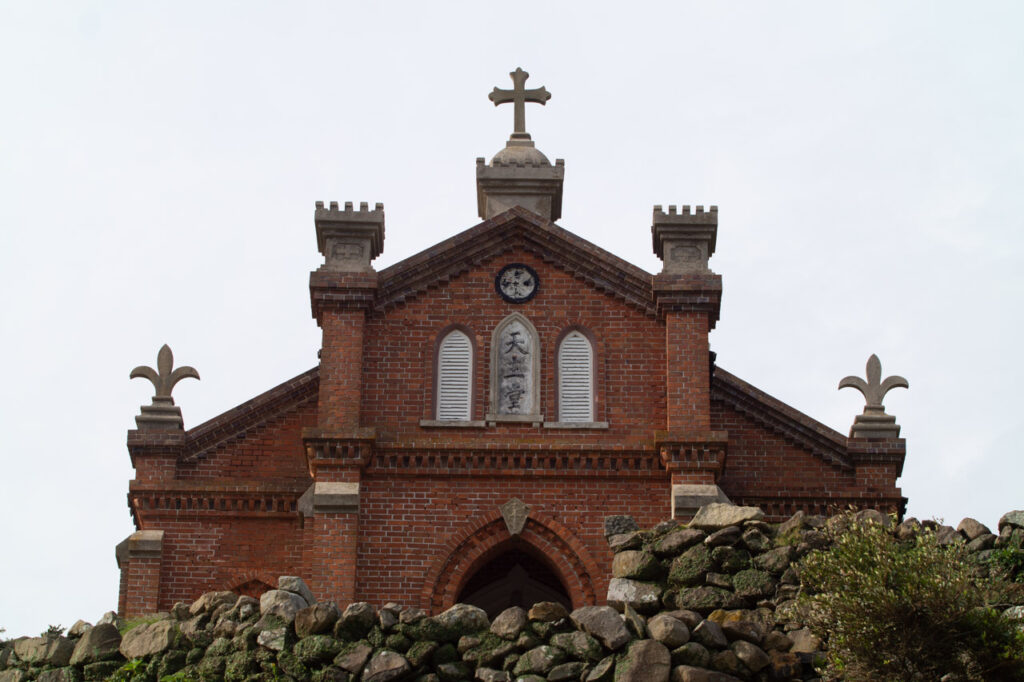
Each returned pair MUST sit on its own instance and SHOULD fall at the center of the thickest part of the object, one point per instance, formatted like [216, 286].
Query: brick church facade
[478, 409]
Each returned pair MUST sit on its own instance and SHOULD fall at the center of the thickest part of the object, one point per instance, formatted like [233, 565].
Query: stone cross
[519, 96]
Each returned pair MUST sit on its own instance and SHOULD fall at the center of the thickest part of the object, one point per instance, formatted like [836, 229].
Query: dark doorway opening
[513, 578]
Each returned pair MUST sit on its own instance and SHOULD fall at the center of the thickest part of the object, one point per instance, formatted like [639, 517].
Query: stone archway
[556, 563]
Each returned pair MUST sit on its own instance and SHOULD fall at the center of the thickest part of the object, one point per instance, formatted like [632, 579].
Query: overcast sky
[159, 164]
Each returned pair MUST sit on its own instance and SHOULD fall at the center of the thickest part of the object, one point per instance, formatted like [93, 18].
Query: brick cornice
[697, 292]
[341, 291]
[350, 449]
[515, 228]
[692, 452]
[791, 424]
[514, 462]
[890, 451]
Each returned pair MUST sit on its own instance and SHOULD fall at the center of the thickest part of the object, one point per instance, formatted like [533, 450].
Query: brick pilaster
[139, 557]
[331, 506]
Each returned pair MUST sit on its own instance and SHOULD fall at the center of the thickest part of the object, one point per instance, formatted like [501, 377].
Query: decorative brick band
[781, 507]
[513, 463]
[215, 503]
[346, 450]
[692, 453]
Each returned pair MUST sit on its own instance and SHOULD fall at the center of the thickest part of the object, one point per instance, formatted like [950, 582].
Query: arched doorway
[513, 578]
[483, 552]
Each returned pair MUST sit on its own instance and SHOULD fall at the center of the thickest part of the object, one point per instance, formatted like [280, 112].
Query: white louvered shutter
[575, 379]
[454, 377]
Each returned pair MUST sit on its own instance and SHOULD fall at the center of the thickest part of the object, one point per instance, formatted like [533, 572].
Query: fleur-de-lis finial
[874, 422]
[163, 377]
[874, 389]
[162, 415]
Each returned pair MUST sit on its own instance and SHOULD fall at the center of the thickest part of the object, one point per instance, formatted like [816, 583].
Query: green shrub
[905, 610]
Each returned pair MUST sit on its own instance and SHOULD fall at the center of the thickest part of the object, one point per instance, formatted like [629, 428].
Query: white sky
[159, 163]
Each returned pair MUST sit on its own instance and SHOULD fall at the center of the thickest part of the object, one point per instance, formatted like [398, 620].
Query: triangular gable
[772, 413]
[234, 423]
[516, 227]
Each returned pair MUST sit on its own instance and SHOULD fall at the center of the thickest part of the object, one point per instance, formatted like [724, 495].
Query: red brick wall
[399, 359]
[271, 452]
[405, 521]
[204, 552]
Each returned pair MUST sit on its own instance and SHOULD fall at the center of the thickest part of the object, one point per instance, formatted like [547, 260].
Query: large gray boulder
[148, 639]
[539, 660]
[211, 601]
[578, 645]
[281, 603]
[356, 620]
[296, 585]
[275, 639]
[97, 644]
[316, 619]
[510, 622]
[718, 515]
[464, 619]
[670, 631]
[1013, 518]
[644, 661]
[635, 564]
[386, 666]
[604, 623]
[52, 651]
[644, 597]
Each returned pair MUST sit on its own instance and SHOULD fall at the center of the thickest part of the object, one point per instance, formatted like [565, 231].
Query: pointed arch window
[455, 377]
[575, 379]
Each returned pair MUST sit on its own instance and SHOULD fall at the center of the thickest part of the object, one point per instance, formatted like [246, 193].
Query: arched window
[455, 377]
[575, 379]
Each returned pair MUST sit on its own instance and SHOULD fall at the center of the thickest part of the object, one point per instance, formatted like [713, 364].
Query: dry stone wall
[709, 601]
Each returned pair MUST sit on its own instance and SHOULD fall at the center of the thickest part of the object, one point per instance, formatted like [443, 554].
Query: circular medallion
[517, 283]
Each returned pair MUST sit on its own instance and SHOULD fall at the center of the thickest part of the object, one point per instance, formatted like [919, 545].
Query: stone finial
[348, 238]
[684, 241]
[874, 422]
[162, 414]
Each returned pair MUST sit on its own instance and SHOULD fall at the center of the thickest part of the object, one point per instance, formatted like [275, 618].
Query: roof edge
[781, 418]
[202, 439]
[451, 257]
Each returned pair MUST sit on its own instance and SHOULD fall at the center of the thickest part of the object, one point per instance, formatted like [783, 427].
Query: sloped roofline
[516, 227]
[227, 426]
[770, 412]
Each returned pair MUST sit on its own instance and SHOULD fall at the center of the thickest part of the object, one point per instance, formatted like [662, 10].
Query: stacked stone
[710, 601]
[710, 591]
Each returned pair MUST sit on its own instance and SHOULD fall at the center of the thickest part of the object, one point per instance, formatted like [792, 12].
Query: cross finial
[519, 96]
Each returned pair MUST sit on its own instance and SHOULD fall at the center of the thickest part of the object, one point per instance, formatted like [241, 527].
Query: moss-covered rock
[316, 650]
[690, 567]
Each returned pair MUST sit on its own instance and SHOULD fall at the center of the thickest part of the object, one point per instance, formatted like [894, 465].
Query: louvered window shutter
[575, 379]
[454, 377]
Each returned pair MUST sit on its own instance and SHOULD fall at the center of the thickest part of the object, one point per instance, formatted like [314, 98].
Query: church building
[477, 411]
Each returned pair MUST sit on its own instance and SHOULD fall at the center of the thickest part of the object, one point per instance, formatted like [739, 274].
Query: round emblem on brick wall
[517, 283]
